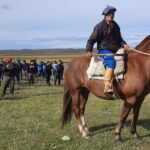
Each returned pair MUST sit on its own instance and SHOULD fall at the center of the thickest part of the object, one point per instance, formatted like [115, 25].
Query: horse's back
[77, 63]
[75, 71]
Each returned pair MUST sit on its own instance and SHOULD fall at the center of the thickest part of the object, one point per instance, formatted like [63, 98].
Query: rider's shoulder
[100, 24]
[116, 24]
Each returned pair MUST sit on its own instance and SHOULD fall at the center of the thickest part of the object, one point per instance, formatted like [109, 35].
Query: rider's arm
[93, 38]
[122, 42]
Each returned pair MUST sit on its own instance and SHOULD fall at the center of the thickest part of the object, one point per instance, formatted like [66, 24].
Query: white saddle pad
[96, 68]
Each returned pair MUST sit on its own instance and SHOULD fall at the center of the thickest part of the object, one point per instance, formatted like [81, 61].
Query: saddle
[96, 68]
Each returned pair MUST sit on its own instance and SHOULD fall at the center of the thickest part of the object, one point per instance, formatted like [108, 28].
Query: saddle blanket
[96, 69]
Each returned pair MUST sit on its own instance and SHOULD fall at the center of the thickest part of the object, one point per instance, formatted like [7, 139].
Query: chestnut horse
[132, 89]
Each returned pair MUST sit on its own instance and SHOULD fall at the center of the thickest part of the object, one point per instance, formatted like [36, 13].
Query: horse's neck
[145, 46]
[140, 60]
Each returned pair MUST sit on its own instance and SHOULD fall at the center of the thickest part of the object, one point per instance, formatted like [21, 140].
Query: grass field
[32, 121]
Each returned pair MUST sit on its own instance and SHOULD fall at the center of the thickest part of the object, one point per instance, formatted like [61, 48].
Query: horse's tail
[67, 106]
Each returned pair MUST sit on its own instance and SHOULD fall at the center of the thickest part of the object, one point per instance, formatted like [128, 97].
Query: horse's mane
[145, 39]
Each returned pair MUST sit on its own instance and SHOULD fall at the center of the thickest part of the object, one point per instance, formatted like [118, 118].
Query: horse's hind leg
[84, 93]
[136, 110]
[76, 108]
[125, 111]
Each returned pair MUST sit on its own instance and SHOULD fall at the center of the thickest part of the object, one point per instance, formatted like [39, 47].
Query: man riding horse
[132, 88]
[109, 40]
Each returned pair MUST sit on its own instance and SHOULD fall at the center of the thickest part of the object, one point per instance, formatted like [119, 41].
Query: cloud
[5, 7]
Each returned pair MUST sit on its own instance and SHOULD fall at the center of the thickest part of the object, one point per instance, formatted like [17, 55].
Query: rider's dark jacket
[112, 41]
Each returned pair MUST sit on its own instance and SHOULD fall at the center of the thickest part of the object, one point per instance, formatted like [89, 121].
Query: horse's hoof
[88, 132]
[118, 141]
[86, 137]
[136, 136]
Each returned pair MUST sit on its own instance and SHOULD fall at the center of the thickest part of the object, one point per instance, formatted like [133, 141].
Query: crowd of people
[15, 69]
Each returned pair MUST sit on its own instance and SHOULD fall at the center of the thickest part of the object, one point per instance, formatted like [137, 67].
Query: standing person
[40, 70]
[20, 68]
[9, 69]
[36, 68]
[18, 72]
[56, 71]
[54, 63]
[1, 66]
[109, 40]
[48, 72]
[24, 69]
[31, 72]
[60, 63]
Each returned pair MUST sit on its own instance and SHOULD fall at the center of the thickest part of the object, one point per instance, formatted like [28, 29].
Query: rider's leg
[108, 78]
[109, 72]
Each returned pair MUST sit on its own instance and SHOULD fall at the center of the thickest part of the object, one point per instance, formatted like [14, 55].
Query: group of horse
[132, 89]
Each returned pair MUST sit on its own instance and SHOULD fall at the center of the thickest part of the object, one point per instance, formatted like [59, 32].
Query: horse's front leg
[125, 111]
[136, 110]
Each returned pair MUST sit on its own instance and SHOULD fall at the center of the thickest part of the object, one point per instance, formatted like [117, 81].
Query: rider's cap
[108, 9]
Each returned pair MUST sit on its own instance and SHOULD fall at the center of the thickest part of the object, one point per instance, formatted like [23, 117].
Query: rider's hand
[90, 54]
[126, 47]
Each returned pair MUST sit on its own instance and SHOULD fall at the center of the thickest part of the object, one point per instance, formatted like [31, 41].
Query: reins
[108, 54]
[131, 49]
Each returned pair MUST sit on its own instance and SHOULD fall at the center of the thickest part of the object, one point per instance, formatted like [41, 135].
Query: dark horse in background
[132, 89]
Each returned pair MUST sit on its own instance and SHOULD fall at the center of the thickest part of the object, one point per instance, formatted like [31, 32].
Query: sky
[47, 24]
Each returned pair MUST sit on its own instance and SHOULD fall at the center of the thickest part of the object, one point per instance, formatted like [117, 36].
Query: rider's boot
[109, 72]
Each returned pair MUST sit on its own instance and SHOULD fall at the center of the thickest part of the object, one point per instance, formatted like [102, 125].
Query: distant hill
[42, 52]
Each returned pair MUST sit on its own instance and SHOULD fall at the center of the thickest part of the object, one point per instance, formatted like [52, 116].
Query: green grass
[32, 121]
